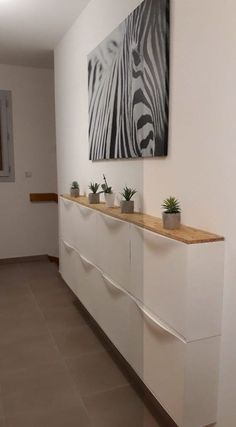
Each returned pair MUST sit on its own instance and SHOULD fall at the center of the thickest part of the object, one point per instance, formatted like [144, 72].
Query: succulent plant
[74, 185]
[105, 187]
[128, 193]
[171, 205]
[94, 186]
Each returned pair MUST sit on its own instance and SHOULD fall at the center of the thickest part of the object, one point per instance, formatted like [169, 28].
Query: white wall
[200, 168]
[25, 228]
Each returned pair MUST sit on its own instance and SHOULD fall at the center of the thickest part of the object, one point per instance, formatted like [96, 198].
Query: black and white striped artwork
[128, 79]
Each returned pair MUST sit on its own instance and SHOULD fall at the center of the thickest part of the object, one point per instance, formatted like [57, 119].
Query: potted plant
[94, 196]
[127, 205]
[74, 189]
[171, 215]
[108, 193]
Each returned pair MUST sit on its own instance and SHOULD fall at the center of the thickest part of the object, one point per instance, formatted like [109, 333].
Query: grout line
[97, 393]
[85, 354]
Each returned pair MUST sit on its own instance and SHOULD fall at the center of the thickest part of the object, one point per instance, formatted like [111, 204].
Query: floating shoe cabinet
[157, 296]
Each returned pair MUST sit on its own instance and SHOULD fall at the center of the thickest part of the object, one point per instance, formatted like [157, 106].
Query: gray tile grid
[54, 370]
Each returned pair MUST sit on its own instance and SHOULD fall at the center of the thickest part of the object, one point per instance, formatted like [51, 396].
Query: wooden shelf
[43, 197]
[188, 235]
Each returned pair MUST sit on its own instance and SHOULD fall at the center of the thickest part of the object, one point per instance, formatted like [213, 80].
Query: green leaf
[171, 205]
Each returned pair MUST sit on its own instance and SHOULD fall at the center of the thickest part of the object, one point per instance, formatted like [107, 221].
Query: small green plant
[171, 205]
[94, 186]
[128, 193]
[105, 187]
[75, 185]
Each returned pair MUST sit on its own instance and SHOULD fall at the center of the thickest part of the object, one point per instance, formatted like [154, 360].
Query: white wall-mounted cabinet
[67, 221]
[157, 299]
[182, 284]
[86, 232]
[78, 228]
[68, 264]
[113, 239]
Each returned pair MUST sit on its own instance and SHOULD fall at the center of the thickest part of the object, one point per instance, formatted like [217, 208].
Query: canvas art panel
[128, 81]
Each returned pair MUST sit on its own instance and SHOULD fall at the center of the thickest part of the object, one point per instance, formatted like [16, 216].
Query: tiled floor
[54, 371]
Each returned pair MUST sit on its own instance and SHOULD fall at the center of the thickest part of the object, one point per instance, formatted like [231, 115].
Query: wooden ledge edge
[43, 197]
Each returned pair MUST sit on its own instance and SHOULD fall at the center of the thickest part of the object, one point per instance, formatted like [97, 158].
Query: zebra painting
[128, 79]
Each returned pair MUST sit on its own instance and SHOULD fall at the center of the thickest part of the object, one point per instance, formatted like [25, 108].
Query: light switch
[28, 174]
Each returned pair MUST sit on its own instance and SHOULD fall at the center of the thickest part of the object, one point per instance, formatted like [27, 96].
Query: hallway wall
[200, 168]
[27, 229]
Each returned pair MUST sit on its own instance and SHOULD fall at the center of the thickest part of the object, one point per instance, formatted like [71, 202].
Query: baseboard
[23, 259]
[53, 259]
[33, 258]
[150, 401]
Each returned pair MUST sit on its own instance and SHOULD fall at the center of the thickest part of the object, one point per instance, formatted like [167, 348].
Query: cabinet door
[182, 376]
[159, 275]
[88, 275]
[114, 249]
[67, 220]
[110, 310]
[86, 232]
[163, 367]
[68, 264]
[201, 382]
[205, 290]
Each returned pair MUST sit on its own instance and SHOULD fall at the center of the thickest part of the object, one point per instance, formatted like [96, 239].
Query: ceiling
[30, 29]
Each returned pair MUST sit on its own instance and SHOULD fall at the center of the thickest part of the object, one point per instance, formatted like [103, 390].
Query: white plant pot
[110, 199]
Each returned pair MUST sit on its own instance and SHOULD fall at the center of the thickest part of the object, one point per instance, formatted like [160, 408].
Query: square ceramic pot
[110, 199]
[171, 221]
[127, 206]
[94, 198]
[74, 192]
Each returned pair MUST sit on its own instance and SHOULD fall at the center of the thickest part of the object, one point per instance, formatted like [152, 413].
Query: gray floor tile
[12, 302]
[33, 391]
[95, 372]
[21, 323]
[1, 408]
[59, 319]
[118, 408]
[34, 270]
[40, 331]
[26, 351]
[59, 298]
[77, 341]
[74, 417]
[44, 285]
[11, 274]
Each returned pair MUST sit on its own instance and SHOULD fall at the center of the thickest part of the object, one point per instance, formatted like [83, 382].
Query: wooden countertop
[188, 235]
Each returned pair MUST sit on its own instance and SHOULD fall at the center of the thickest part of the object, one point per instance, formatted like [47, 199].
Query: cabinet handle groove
[67, 203]
[113, 284]
[111, 221]
[85, 211]
[68, 247]
[150, 316]
[86, 261]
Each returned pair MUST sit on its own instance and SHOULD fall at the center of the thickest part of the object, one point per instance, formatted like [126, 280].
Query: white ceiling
[30, 29]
